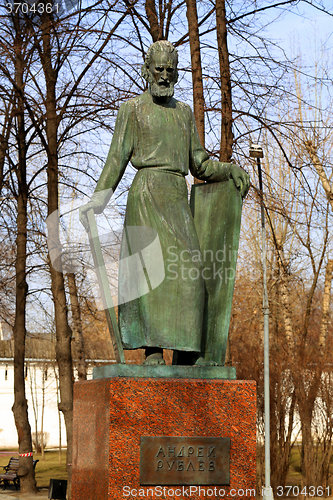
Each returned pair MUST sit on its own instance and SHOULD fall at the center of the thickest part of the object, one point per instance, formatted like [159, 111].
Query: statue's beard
[161, 91]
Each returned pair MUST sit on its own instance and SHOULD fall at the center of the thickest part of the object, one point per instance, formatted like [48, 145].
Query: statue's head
[160, 68]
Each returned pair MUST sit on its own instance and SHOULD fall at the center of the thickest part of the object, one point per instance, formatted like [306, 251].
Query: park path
[15, 495]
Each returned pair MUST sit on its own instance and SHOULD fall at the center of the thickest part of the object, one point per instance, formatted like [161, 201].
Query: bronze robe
[162, 143]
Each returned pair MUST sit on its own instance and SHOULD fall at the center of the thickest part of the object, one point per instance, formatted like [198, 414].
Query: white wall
[8, 434]
[34, 392]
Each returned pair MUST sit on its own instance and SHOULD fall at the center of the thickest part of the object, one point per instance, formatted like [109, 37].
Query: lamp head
[256, 151]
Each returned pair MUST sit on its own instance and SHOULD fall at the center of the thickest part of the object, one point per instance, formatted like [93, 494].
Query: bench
[11, 472]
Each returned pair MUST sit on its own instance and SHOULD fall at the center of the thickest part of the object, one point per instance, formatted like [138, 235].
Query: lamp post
[257, 152]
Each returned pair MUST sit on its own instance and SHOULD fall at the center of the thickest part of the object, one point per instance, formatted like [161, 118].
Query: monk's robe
[161, 297]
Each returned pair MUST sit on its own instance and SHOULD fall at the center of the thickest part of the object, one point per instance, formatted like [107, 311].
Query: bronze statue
[158, 135]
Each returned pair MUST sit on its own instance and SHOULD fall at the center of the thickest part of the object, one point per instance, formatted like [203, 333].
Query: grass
[294, 473]
[295, 464]
[50, 468]
[45, 469]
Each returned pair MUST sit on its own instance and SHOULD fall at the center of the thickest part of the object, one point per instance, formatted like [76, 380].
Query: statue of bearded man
[158, 135]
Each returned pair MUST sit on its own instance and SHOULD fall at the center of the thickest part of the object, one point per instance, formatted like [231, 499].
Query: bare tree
[196, 69]
[226, 98]
[20, 408]
[77, 326]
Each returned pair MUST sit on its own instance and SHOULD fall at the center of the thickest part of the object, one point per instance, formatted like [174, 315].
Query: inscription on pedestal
[167, 460]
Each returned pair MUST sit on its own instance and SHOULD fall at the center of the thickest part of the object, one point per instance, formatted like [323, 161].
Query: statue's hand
[97, 202]
[241, 179]
[95, 205]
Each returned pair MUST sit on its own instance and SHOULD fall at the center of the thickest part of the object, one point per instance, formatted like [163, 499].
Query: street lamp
[257, 152]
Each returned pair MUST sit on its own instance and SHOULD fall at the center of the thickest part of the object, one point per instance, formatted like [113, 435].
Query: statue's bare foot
[204, 362]
[154, 359]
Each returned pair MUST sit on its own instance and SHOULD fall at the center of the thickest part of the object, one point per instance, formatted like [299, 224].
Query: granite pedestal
[112, 414]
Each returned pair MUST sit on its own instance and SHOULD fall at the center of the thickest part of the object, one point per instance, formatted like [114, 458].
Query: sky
[304, 26]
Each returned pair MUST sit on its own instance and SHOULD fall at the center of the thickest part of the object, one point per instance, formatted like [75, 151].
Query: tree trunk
[4, 137]
[307, 385]
[155, 28]
[34, 399]
[280, 435]
[226, 101]
[326, 305]
[59, 413]
[198, 95]
[284, 292]
[63, 330]
[77, 327]
[20, 407]
[285, 458]
[42, 417]
[308, 465]
[326, 456]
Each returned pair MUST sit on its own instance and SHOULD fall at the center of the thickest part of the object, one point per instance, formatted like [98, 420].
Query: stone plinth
[112, 414]
[165, 371]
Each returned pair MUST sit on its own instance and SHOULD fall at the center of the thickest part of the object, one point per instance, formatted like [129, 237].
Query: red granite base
[110, 416]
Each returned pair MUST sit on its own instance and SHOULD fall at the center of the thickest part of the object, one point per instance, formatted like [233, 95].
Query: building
[42, 391]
